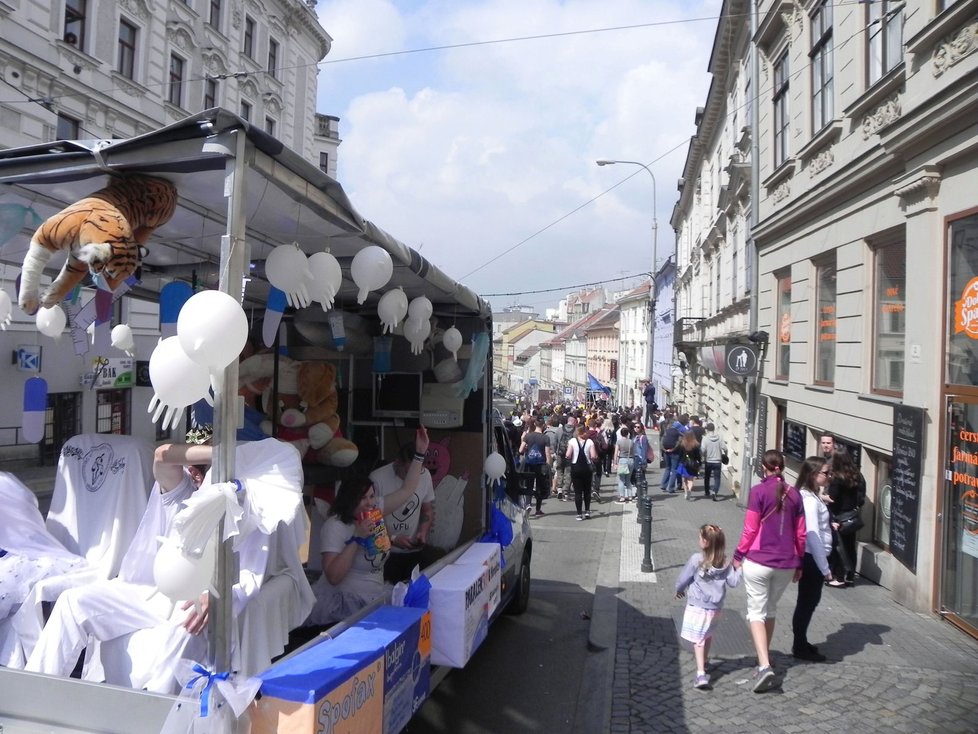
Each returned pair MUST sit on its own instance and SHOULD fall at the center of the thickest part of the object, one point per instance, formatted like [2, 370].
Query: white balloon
[177, 380]
[416, 332]
[5, 310]
[452, 340]
[371, 269]
[51, 321]
[122, 338]
[326, 278]
[179, 576]
[494, 466]
[391, 308]
[212, 328]
[287, 268]
[420, 308]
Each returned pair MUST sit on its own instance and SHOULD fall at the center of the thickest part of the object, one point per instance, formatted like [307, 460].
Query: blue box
[404, 634]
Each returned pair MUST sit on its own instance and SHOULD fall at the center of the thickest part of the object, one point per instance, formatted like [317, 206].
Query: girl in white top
[581, 457]
[812, 480]
[353, 568]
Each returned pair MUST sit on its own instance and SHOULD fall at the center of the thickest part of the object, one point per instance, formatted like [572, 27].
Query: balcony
[688, 331]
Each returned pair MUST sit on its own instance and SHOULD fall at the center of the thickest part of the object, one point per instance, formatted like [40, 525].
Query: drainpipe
[747, 462]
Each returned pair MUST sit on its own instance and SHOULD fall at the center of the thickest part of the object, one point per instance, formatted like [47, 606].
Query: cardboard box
[335, 687]
[459, 604]
[404, 634]
[488, 556]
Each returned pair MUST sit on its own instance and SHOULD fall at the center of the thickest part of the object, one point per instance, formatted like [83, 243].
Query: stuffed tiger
[103, 231]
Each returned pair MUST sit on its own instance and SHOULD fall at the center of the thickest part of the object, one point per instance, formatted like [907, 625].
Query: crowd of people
[802, 533]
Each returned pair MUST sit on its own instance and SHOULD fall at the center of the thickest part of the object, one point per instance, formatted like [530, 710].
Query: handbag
[850, 522]
[623, 468]
[724, 457]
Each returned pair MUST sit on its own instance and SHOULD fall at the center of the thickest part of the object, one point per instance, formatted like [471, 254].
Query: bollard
[644, 507]
[647, 534]
[639, 498]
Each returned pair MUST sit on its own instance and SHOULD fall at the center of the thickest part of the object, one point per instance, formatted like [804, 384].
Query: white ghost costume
[106, 611]
[28, 554]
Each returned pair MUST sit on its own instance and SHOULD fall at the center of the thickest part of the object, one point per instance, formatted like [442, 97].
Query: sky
[482, 157]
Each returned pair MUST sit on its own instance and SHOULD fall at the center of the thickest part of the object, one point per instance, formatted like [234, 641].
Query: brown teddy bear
[308, 401]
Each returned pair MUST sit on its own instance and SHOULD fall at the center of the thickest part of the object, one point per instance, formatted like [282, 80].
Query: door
[959, 578]
[62, 420]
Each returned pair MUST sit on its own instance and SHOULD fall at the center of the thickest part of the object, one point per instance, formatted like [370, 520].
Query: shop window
[890, 319]
[825, 321]
[112, 412]
[783, 354]
[962, 332]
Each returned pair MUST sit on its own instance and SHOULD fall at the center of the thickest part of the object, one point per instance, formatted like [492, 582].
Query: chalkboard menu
[908, 445]
[761, 436]
[794, 440]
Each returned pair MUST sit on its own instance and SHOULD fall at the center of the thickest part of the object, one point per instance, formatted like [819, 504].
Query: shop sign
[966, 310]
[111, 372]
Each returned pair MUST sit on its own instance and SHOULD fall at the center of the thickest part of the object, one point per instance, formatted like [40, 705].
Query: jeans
[649, 415]
[715, 470]
[809, 595]
[625, 486]
[669, 477]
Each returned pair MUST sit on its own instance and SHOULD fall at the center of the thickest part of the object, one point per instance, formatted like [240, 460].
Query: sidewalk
[888, 669]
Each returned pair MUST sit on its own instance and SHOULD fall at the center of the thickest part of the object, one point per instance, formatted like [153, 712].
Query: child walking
[703, 583]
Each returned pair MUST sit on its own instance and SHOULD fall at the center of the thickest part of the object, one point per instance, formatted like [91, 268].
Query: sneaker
[715, 497]
[620, 501]
[702, 682]
[561, 497]
[587, 515]
[538, 513]
[806, 653]
[764, 679]
[580, 517]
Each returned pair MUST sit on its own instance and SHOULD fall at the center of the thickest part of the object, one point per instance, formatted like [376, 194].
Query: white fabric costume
[30, 553]
[271, 473]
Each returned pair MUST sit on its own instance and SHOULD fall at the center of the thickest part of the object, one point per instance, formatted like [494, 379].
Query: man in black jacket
[670, 456]
[648, 392]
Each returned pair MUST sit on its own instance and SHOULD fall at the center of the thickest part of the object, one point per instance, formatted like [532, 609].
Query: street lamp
[655, 264]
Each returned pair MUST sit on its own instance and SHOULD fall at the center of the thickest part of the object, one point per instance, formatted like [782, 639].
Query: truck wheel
[521, 598]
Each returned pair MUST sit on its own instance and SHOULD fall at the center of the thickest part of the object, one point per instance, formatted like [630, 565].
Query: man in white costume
[108, 610]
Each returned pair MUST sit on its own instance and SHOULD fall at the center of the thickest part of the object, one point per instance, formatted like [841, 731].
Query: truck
[240, 194]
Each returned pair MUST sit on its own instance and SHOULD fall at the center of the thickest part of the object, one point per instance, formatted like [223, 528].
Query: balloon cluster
[211, 332]
[417, 328]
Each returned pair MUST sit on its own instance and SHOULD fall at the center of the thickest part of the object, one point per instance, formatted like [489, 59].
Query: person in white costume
[108, 610]
[28, 554]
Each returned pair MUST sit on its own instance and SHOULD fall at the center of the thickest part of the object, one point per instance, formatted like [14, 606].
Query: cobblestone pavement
[888, 670]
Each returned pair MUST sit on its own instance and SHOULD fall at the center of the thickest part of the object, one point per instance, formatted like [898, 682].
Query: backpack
[563, 441]
[534, 454]
[582, 464]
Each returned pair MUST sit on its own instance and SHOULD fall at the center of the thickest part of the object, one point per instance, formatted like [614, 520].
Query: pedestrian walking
[812, 479]
[714, 449]
[582, 457]
[670, 457]
[690, 461]
[703, 582]
[624, 462]
[643, 455]
[771, 548]
[535, 450]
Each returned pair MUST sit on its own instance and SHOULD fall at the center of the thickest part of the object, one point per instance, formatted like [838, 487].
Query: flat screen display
[397, 395]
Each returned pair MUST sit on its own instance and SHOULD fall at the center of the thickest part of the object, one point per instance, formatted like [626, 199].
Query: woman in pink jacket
[771, 549]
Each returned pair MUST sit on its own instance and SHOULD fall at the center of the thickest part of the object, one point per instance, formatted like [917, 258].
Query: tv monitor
[397, 395]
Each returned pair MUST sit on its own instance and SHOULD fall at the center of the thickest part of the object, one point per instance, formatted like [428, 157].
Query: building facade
[94, 69]
[867, 161]
[635, 333]
[603, 347]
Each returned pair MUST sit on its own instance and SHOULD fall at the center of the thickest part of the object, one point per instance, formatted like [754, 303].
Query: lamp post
[655, 264]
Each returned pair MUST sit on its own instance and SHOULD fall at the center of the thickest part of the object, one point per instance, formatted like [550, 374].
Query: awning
[595, 386]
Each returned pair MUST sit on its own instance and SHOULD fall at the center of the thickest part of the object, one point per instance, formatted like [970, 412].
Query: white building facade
[633, 346]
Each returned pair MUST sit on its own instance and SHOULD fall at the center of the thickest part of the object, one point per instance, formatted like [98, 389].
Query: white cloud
[470, 151]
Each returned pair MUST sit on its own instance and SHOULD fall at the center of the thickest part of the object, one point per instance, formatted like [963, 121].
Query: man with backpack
[535, 450]
[562, 479]
[670, 457]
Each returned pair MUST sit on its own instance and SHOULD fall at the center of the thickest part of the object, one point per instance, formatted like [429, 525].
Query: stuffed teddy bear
[308, 401]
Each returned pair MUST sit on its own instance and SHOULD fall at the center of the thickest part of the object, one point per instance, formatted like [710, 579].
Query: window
[112, 411]
[74, 31]
[246, 111]
[175, 93]
[825, 322]
[781, 110]
[885, 33]
[324, 162]
[962, 327]
[821, 63]
[67, 128]
[248, 48]
[734, 255]
[783, 356]
[890, 319]
[127, 49]
[210, 93]
[270, 126]
[273, 58]
[214, 14]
